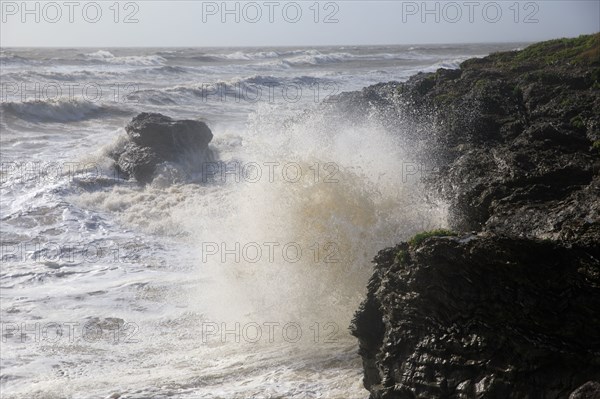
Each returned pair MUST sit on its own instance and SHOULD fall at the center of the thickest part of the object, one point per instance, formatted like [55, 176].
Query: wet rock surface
[155, 138]
[511, 307]
[485, 317]
[589, 390]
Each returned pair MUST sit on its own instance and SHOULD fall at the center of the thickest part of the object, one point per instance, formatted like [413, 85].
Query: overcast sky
[278, 23]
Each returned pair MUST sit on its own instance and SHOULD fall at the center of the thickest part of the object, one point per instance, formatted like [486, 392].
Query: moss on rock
[420, 237]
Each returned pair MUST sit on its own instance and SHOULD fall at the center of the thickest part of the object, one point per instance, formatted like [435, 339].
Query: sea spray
[292, 236]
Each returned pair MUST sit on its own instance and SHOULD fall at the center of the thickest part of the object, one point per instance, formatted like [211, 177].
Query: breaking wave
[57, 111]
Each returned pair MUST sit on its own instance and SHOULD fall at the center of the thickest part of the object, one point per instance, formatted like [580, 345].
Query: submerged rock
[512, 311]
[155, 138]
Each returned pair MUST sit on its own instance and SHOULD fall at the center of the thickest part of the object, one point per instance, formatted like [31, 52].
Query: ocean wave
[10, 59]
[302, 57]
[57, 110]
[258, 55]
[317, 58]
[240, 55]
[170, 69]
[269, 80]
[453, 63]
[273, 58]
[235, 86]
[155, 97]
[90, 75]
[103, 56]
[52, 76]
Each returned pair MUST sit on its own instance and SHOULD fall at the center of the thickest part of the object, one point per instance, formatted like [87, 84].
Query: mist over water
[242, 285]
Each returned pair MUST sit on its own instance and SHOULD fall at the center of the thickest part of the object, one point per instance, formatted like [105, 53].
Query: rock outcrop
[155, 138]
[481, 317]
[510, 308]
[589, 390]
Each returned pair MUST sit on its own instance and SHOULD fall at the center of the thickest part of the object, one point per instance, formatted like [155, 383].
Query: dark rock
[484, 317]
[508, 138]
[138, 162]
[156, 138]
[589, 390]
[167, 136]
[514, 310]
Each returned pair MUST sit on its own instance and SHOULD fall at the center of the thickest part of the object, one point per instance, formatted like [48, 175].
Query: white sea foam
[108, 57]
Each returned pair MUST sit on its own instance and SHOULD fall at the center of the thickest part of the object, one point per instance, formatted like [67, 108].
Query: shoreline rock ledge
[506, 302]
[153, 139]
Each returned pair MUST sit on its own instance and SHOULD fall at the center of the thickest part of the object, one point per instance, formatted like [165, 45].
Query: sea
[238, 286]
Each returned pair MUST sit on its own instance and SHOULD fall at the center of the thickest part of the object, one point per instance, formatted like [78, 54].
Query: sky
[159, 23]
